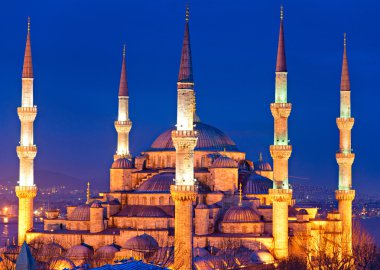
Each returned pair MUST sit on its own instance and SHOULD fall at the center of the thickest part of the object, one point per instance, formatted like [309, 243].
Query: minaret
[184, 192]
[280, 152]
[27, 150]
[345, 158]
[123, 125]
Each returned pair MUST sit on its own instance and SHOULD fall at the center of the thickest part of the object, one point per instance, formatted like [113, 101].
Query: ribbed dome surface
[50, 249]
[209, 138]
[141, 243]
[224, 162]
[61, 263]
[142, 211]
[257, 184]
[240, 214]
[158, 183]
[80, 251]
[81, 212]
[122, 163]
[107, 252]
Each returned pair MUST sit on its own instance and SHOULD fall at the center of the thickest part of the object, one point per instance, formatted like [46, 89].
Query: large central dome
[209, 139]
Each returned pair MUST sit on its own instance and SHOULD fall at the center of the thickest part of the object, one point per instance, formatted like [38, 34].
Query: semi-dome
[209, 139]
[60, 263]
[79, 251]
[158, 183]
[107, 252]
[142, 243]
[81, 212]
[142, 211]
[224, 162]
[240, 214]
[122, 163]
[256, 184]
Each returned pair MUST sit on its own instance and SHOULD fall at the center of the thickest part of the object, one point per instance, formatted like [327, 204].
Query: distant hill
[45, 179]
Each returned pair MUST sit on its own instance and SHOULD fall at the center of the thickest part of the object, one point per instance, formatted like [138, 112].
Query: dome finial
[28, 24]
[345, 39]
[240, 195]
[282, 12]
[88, 193]
[187, 13]
[261, 157]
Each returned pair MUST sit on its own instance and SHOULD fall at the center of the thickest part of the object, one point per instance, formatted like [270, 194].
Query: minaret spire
[345, 158]
[27, 71]
[184, 192]
[281, 59]
[280, 152]
[123, 86]
[345, 78]
[123, 124]
[27, 150]
[186, 66]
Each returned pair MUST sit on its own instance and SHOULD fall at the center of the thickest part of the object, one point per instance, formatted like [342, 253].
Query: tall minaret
[345, 194]
[280, 152]
[27, 150]
[184, 192]
[123, 124]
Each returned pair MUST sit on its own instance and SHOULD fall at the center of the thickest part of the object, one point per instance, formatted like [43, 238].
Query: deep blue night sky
[77, 49]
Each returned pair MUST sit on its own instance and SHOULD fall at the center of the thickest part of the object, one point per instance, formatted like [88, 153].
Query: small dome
[142, 243]
[79, 252]
[81, 212]
[158, 183]
[107, 252]
[61, 263]
[302, 212]
[262, 165]
[122, 163]
[142, 211]
[262, 256]
[257, 184]
[240, 214]
[96, 204]
[244, 165]
[224, 162]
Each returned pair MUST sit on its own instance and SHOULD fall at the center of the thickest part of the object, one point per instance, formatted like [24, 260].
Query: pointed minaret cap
[123, 86]
[27, 70]
[345, 78]
[281, 59]
[25, 260]
[186, 67]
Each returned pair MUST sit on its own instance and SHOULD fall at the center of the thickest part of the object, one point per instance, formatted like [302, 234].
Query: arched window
[152, 201]
[161, 200]
[144, 201]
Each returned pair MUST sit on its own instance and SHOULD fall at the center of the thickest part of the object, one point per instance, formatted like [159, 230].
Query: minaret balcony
[280, 151]
[184, 192]
[345, 195]
[345, 158]
[280, 110]
[184, 139]
[123, 126]
[27, 114]
[345, 123]
[26, 191]
[27, 152]
[281, 195]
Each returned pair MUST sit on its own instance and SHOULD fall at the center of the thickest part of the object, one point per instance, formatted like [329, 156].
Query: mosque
[192, 200]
